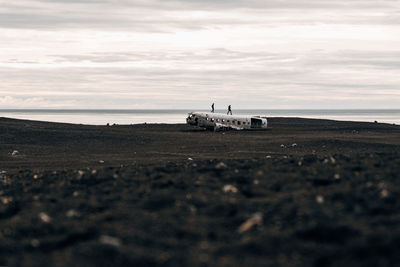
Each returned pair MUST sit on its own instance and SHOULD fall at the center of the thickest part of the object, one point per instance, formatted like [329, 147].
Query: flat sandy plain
[302, 193]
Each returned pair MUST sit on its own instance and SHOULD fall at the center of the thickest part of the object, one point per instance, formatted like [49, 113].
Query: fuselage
[217, 121]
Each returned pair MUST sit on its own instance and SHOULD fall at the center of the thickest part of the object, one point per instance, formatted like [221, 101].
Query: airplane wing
[220, 126]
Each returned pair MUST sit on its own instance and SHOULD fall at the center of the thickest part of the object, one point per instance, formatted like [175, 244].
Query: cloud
[153, 53]
[250, 79]
[165, 16]
[11, 102]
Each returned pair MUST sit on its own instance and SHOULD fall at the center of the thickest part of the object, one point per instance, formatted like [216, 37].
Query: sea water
[133, 116]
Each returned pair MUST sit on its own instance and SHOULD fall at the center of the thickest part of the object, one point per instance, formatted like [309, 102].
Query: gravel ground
[303, 193]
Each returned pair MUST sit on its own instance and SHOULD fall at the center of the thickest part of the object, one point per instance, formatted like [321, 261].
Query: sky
[180, 54]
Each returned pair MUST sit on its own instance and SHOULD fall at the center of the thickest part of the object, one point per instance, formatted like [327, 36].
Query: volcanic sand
[302, 193]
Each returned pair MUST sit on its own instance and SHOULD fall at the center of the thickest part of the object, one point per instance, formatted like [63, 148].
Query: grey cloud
[215, 4]
[262, 88]
[155, 15]
[216, 56]
[357, 59]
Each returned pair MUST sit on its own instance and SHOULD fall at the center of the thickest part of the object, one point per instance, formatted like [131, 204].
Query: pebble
[72, 214]
[230, 188]
[221, 165]
[336, 176]
[75, 194]
[110, 240]
[80, 174]
[384, 193]
[35, 176]
[382, 185]
[256, 182]
[35, 243]
[193, 209]
[190, 159]
[101, 161]
[255, 219]
[6, 200]
[319, 199]
[44, 217]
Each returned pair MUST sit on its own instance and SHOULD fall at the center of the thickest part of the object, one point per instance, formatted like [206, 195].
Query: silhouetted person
[212, 108]
[229, 110]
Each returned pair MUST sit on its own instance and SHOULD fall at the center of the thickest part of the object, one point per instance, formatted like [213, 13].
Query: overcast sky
[189, 53]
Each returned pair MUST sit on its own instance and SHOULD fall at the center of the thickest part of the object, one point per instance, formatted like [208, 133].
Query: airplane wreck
[215, 121]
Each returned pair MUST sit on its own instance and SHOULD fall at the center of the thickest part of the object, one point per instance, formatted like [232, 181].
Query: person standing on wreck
[212, 108]
[229, 110]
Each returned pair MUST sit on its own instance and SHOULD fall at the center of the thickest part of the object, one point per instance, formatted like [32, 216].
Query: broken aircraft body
[216, 121]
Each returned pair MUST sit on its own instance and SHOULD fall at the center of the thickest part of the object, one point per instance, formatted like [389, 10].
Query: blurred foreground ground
[302, 193]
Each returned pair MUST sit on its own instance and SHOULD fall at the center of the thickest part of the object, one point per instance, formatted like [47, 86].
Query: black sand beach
[302, 193]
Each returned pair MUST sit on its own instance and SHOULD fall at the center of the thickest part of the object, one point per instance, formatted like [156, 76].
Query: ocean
[134, 116]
